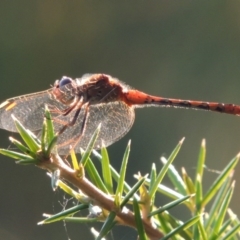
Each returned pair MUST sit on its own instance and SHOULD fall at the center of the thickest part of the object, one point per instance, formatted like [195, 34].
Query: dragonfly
[79, 105]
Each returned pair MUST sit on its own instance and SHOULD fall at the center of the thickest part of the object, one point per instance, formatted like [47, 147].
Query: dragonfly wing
[28, 109]
[116, 119]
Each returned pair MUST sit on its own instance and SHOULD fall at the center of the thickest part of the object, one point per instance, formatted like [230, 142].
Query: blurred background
[179, 49]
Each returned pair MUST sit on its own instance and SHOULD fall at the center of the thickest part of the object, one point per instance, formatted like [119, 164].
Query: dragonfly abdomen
[138, 99]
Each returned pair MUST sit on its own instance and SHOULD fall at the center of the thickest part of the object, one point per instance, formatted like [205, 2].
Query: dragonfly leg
[66, 111]
[76, 139]
[78, 108]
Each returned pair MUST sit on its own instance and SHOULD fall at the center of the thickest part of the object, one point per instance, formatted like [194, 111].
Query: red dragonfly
[79, 105]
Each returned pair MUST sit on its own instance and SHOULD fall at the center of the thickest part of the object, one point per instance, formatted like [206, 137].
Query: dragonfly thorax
[99, 89]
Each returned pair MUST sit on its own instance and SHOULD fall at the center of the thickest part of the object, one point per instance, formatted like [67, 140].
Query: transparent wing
[28, 109]
[116, 119]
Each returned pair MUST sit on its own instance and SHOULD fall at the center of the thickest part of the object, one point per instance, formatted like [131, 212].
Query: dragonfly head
[64, 90]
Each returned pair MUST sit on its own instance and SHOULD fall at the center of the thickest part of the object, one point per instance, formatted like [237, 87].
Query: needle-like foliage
[133, 206]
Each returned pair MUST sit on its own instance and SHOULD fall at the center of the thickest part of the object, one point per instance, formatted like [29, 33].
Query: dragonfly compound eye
[64, 81]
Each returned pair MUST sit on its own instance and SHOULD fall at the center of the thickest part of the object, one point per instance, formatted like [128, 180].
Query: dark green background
[180, 49]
